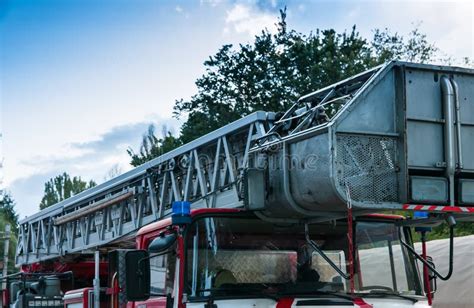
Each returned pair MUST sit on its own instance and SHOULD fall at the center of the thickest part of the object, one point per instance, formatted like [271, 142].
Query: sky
[81, 80]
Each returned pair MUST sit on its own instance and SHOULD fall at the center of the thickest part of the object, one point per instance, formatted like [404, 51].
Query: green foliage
[153, 146]
[276, 69]
[416, 48]
[273, 72]
[7, 211]
[468, 62]
[441, 231]
[13, 242]
[62, 187]
[9, 216]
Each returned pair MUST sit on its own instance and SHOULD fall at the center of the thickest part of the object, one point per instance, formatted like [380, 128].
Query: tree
[9, 216]
[468, 62]
[4, 220]
[113, 172]
[153, 146]
[276, 69]
[416, 48]
[7, 211]
[62, 187]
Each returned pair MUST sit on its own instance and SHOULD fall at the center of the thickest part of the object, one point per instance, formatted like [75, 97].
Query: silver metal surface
[391, 130]
[97, 279]
[448, 104]
[458, 122]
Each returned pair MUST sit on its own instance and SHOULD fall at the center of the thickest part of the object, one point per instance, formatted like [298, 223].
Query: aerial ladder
[397, 137]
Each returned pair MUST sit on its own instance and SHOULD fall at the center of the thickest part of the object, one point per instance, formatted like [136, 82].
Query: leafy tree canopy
[152, 146]
[9, 216]
[7, 211]
[4, 220]
[62, 187]
[273, 72]
[276, 69]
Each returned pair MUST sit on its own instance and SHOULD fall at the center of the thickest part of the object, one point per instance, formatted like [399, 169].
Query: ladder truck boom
[275, 209]
[119, 207]
[396, 137]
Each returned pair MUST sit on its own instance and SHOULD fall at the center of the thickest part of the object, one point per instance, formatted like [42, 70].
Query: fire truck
[277, 209]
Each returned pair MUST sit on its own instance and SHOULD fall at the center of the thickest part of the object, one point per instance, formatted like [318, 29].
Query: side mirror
[137, 275]
[162, 243]
[432, 278]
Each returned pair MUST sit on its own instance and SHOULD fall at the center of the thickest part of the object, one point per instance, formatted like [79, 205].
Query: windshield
[383, 263]
[239, 255]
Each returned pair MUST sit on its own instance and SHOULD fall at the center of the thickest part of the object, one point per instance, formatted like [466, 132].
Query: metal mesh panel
[367, 164]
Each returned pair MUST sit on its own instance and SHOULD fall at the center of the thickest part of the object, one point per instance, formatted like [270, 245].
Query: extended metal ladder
[207, 171]
[369, 133]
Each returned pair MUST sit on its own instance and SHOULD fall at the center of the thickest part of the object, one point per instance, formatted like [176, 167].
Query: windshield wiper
[234, 291]
[316, 292]
[385, 293]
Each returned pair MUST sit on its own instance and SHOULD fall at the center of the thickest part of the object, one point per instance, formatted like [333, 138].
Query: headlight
[467, 191]
[429, 189]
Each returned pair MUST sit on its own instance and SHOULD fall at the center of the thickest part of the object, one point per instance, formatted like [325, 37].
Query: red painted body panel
[84, 299]
[167, 221]
[84, 269]
[145, 234]
[161, 224]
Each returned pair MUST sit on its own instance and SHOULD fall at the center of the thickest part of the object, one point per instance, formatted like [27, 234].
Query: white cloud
[449, 25]
[212, 3]
[354, 13]
[244, 18]
[457, 36]
[92, 159]
[178, 9]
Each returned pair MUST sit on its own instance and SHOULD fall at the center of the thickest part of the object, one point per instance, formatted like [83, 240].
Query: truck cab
[232, 258]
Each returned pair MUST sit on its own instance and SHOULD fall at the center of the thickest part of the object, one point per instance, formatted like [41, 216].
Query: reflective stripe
[457, 209]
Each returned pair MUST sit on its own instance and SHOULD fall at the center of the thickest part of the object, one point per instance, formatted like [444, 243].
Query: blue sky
[81, 80]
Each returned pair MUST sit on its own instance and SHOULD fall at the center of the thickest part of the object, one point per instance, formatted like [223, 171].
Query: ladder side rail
[204, 174]
[258, 116]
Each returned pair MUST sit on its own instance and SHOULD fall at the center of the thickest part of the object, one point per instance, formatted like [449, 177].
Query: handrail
[452, 224]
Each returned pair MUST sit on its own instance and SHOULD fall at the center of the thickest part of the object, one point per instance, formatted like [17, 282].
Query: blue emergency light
[421, 215]
[181, 213]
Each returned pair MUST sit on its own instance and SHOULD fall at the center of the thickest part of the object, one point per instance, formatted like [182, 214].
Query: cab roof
[160, 224]
[163, 223]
